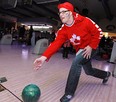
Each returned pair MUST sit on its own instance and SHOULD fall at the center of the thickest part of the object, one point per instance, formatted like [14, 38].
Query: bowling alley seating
[6, 39]
[40, 46]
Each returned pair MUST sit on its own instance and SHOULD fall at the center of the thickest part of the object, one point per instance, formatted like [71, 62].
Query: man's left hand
[87, 52]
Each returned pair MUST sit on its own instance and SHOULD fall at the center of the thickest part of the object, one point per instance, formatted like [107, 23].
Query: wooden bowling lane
[16, 64]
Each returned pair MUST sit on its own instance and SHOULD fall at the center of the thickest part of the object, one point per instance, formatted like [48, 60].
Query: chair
[40, 46]
[6, 39]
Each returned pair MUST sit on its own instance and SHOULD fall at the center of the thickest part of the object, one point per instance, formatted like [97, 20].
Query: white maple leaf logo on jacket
[75, 39]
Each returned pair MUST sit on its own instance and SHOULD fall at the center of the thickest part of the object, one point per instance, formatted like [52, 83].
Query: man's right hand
[39, 61]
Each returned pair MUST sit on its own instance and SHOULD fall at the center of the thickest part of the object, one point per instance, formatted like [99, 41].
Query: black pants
[65, 52]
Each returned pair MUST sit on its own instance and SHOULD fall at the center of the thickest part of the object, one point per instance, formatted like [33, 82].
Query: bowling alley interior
[28, 28]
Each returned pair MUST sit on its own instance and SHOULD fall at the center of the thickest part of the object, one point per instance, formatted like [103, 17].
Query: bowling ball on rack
[31, 93]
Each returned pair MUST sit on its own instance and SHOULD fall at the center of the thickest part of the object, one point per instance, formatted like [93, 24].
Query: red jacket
[81, 33]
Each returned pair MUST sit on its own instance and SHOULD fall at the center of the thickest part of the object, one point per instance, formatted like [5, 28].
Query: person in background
[52, 36]
[30, 34]
[22, 32]
[84, 34]
[66, 48]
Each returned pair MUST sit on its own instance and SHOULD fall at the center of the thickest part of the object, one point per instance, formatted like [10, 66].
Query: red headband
[66, 5]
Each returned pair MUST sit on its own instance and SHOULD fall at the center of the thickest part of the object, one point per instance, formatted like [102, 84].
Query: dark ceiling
[30, 9]
[95, 9]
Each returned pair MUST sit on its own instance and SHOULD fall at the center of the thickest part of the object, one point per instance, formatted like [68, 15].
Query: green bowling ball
[31, 93]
